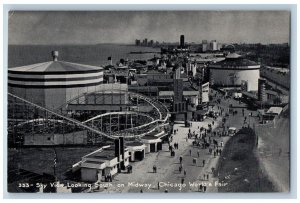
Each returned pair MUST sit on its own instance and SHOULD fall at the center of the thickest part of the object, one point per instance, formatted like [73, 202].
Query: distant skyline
[93, 27]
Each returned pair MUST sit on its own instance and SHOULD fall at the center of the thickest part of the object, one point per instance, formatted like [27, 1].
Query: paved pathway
[168, 173]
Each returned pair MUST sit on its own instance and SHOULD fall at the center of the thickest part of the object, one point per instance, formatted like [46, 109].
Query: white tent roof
[274, 110]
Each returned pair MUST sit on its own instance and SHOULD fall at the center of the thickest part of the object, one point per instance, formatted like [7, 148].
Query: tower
[181, 41]
[262, 90]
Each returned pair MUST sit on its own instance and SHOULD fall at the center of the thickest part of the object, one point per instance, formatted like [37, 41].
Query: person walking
[190, 152]
[195, 161]
[203, 162]
[200, 188]
[154, 169]
[184, 172]
[198, 153]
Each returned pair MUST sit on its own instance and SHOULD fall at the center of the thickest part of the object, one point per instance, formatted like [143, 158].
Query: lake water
[19, 55]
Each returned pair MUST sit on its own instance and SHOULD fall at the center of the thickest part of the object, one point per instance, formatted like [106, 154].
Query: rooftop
[134, 144]
[279, 69]
[55, 66]
[105, 154]
[93, 162]
[250, 95]
[274, 110]
[233, 56]
[236, 62]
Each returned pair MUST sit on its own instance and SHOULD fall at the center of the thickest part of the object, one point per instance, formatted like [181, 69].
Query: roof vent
[54, 55]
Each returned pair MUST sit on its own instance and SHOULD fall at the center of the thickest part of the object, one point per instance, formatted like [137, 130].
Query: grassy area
[239, 167]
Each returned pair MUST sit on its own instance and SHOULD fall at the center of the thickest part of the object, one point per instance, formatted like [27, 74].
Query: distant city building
[145, 42]
[181, 41]
[137, 42]
[219, 46]
[204, 46]
[151, 43]
[213, 45]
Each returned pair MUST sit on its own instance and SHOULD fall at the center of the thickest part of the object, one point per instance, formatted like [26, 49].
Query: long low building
[279, 76]
[51, 84]
[103, 162]
[109, 160]
[235, 71]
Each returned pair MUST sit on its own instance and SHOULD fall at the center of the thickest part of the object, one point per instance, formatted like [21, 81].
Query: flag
[109, 58]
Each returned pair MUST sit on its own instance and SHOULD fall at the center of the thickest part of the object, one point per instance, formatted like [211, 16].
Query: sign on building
[204, 93]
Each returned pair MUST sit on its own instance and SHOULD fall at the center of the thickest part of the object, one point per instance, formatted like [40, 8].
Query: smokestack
[54, 55]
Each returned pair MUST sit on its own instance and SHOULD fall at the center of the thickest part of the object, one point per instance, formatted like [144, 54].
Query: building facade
[235, 71]
[53, 83]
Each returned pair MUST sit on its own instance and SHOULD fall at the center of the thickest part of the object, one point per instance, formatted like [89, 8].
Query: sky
[93, 27]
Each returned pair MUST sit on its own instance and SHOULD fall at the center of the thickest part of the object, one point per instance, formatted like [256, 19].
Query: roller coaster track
[64, 117]
[118, 113]
[162, 110]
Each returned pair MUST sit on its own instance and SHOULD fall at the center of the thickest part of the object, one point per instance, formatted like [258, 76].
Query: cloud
[92, 27]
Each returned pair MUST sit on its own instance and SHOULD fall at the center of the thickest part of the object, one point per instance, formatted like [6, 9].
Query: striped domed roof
[55, 66]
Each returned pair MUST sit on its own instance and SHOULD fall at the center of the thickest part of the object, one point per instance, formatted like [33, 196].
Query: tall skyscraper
[204, 45]
[151, 43]
[137, 42]
[214, 45]
[181, 41]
